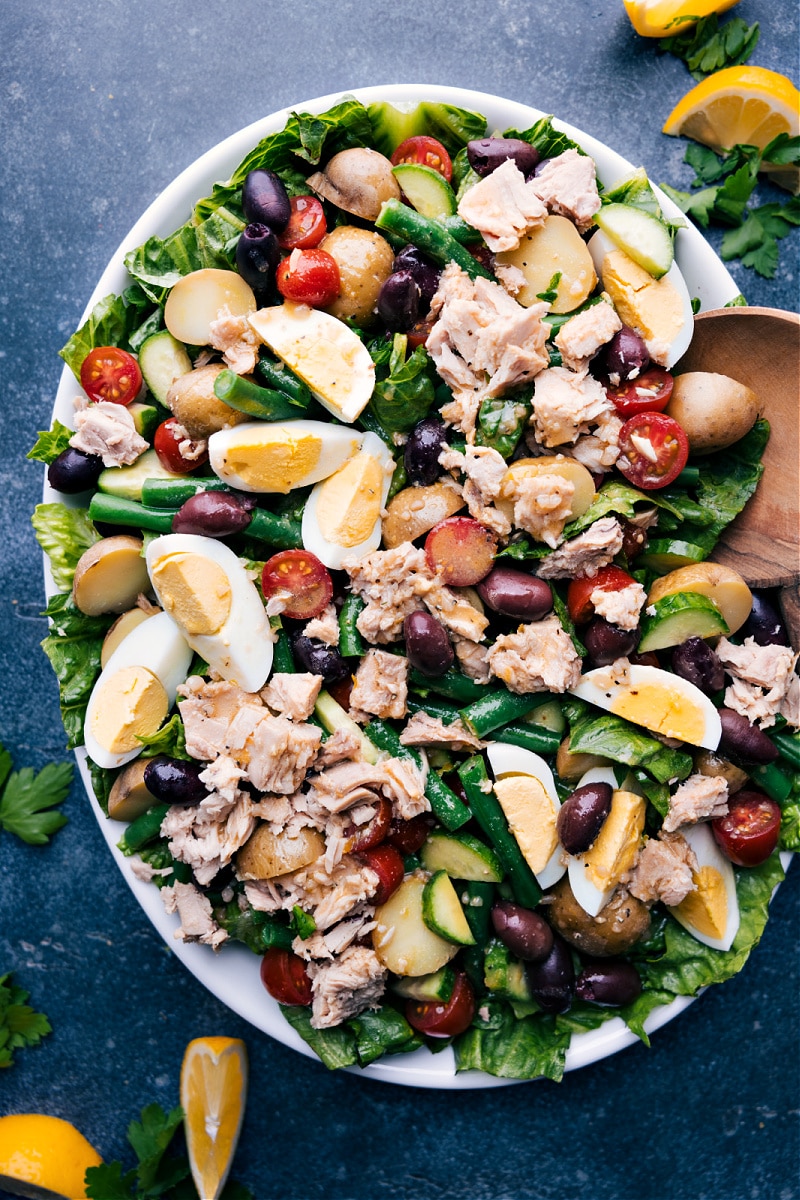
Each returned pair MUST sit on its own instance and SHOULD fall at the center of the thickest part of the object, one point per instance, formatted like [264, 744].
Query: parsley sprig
[28, 800]
[708, 46]
[20, 1025]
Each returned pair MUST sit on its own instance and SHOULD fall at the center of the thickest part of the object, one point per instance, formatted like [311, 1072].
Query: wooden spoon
[761, 348]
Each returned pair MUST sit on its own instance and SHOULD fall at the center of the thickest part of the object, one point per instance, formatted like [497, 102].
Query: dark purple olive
[552, 981]
[540, 166]
[74, 471]
[610, 984]
[606, 643]
[625, 356]
[398, 302]
[764, 625]
[314, 656]
[516, 594]
[427, 644]
[426, 273]
[257, 255]
[265, 200]
[582, 815]
[487, 154]
[634, 539]
[422, 450]
[174, 780]
[696, 661]
[524, 932]
[742, 740]
[214, 514]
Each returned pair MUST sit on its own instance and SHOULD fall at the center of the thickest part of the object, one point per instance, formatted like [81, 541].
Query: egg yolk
[531, 817]
[614, 851]
[650, 306]
[194, 590]
[130, 704]
[706, 908]
[349, 501]
[272, 462]
[659, 707]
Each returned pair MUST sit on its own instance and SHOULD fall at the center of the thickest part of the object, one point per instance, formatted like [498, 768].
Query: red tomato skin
[609, 579]
[749, 833]
[111, 374]
[166, 443]
[462, 550]
[300, 573]
[387, 863]
[656, 382]
[439, 1018]
[284, 976]
[409, 836]
[418, 336]
[427, 152]
[307, 225]
[364, 837]
[669, 443]
[309, 277]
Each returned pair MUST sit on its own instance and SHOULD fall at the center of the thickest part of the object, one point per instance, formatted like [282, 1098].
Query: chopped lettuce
[73, 647]
[612, 737]
[124, 321]
[336, 1047]
[359, 1041]
[550, 142]
[64, 534]
[515, 1049]
[502, 420]
[169, 739]
[50, 443]
[404, 395]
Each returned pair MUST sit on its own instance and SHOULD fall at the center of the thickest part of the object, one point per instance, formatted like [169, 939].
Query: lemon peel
[44, 1157]
[213, 1093]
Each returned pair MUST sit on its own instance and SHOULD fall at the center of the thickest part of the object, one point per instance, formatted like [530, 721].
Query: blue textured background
[100, 106]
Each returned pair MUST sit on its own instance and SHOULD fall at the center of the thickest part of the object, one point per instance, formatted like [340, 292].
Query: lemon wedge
[740, 104]
[663, 18]
[213, 1091]
[44, 1158]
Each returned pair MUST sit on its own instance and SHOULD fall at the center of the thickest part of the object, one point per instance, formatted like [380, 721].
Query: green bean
[144, 829]
[282, 658]
[446, 805]
[492, 820]
[771, 779]
[247, 397]
[350, 640]
[789, 746]
[172, 493]
[447, 713]
[428, 235]
[278, 376]
[498, 708]
[452, 684]
[532, 737]
[113, 510]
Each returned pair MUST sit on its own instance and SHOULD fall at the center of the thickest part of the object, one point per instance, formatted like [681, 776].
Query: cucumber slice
[462, 856]
[665, 554]
[402, 940]
[162, 360]
[505, 975]
[680, 616]
[642, 236]
[126, 482]
[547, 716]
[442, 911]
[428, 192]
[332, 716]
[436, 986]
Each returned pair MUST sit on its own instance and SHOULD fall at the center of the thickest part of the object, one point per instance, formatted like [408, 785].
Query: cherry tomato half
[418, 335]
[653, 450]
[284, 976]
[307, 225]
[439, 1018]
[309, 277]
[176, 451]
[425, 151]
[304, 577]
[409, 836]
[608, 579]
[108, 373]
[462, 550]
[387, 863]
[649, 392]
[748, 833]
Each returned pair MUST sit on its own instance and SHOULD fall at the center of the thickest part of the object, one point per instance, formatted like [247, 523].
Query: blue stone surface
[101, 105]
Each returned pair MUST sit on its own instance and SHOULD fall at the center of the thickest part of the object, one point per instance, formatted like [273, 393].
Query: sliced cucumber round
[666, 554]
[462, 856]
[642, 236]
[162, 360]
[402, 939]
[126, 482]
[442, 911]
[680, 616]
[426, 190]
[436, 986]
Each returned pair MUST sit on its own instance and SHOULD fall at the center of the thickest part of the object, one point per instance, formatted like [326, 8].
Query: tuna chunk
[336, 940]
[699, 798]
[207, 836]
[620, 608]
[405, 787]
[472, 659]
[280, 753]
[331, 895]
[485, 470]
[542, 505]
[762, 678]
[194, 910]
[207, 711]
[425, 730]
[340, 746]
[292, 696]
[663, 870]
[345, 987]
[455, 612]
[585, 554]
[392, 583]
[236, 339]
[108, 430]
[790, 705]
[539, 657]
[566, 404]
[502, 207]
[325, 627]
[598, 450]
[567, 184]
[347, 783]
[581, 336]
[381, 685]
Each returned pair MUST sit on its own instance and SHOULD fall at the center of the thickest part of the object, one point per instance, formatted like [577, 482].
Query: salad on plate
[383, 598]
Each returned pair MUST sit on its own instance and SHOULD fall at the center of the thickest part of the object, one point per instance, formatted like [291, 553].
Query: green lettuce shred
[64, 534]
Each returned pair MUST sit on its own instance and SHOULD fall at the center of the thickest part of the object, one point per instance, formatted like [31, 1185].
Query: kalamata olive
[552, 981]
[634, 539]
[606, 643]
[610, 984]
[426, 273]
[174, 780]
[516, 594]
[625, 356]
[314, 656]
[764, 625]
[582, 815]
[487, 154]
[74, 471]
[265, 200]
[696, 661]
[524, 932]
[743, 740]
[398, 302]
[257, 255]
[427, 644]
[422, 450]
[214, 514]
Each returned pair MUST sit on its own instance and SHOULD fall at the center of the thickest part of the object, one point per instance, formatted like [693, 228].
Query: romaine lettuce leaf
[516, 1049]
[404, 396]
[612, 737]
[548, 141]
[50, 443]
[64, 534]
[308, 137]
[114, 321]
[73, 647]
[382, 1031]
[170, 739]
[335, 1047]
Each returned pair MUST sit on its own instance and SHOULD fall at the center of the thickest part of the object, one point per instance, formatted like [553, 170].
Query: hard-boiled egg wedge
[527, 794]
[323, 351]
[276, 456]
[135, 691]
[206, 590]
[710, 912]
[659, 700]
[594, 875]
[343, 513]
[660, 310]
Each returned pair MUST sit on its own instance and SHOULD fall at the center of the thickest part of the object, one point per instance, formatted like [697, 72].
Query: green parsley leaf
[551, 291]
[709, 46]
[50, 443]
[107, 1182]
[20, 1025]
[302, 923]
[27, 796]
[782, 151]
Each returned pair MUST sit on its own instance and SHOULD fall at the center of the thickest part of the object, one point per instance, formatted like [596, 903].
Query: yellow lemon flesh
[213, 1092]
[664, 18]
[44, 1158]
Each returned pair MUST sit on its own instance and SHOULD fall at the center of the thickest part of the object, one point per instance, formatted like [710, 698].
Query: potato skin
[415, 510]
[266, 854]
[358, 180]
[713, 410]
[364, 259]
[617, 927]
[191, 399]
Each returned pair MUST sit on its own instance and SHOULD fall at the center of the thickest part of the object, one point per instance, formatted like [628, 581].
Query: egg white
[336, 444]
[708, 854]
[331, 553]
[241, 649]
[157, 645]
[506, 759]
[597, 687]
